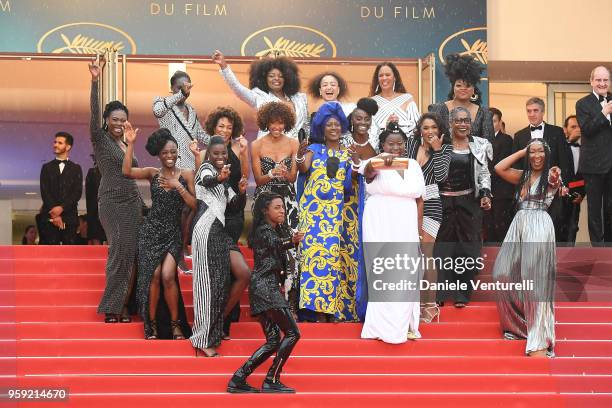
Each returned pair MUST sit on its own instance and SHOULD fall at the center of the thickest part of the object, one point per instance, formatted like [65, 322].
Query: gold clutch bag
[399, 163]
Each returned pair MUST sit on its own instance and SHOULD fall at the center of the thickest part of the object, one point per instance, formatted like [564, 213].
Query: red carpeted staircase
[51, 337]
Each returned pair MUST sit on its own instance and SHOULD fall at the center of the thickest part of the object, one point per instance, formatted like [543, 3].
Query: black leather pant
[273, 321]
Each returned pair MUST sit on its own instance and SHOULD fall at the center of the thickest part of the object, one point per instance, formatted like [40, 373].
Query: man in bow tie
[593, 112]
[61, 185]
[574, 181]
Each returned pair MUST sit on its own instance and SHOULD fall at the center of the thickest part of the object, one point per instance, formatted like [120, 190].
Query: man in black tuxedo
[593, 113]
[574, 180]
[502, 203]
[559, 150]
[61, 185]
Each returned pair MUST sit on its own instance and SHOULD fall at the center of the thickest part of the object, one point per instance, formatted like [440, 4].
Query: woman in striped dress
[431, 147]
[120, 204]
[394, 103]
[211, 246]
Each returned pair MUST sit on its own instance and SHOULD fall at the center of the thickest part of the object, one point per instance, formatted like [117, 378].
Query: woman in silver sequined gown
[528, 252]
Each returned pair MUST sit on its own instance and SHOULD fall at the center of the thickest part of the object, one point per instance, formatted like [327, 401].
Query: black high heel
[177, 333]
[152, 331]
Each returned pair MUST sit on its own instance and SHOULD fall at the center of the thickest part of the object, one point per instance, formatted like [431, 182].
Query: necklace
[161, 172]
[360, 144]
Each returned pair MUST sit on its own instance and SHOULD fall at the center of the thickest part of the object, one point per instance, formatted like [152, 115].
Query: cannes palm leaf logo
[289, 48]
[85, 45]
[478, 50]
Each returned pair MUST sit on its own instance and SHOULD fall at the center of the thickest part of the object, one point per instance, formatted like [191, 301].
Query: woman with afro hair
[158, 293]
[119, 203]
[463, 72]
[273, 159]
[270, 80]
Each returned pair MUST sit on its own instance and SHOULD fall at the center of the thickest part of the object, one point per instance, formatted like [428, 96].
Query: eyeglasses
[459, 121]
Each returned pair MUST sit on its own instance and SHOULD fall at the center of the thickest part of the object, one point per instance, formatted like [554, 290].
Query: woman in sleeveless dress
[275, 170]
[394, 103]
[528, 251]
[158, 293]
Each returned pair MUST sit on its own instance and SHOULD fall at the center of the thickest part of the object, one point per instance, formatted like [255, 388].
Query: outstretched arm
[245, 94]
[127, 169]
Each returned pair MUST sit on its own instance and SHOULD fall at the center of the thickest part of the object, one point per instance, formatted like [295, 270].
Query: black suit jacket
[569, 175]
[596, 140]
[553, 135]
[63, 189]
[502, 148]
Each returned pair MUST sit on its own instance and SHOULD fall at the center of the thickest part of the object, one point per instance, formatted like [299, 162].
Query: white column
[6, 222]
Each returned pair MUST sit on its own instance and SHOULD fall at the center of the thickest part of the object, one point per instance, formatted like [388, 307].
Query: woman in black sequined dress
[158, 293]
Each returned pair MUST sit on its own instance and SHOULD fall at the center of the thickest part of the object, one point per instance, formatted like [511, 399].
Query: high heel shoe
[177, 333]
[125, 316]
[430, 312]
[206, 353]
[152, 331]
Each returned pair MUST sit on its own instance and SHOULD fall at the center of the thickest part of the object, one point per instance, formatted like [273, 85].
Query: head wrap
[327, 111]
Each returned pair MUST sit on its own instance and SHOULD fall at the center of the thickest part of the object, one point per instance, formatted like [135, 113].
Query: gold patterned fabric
[328, 252]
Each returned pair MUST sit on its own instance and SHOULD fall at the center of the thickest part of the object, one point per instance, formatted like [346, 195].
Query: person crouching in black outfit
[266, 299]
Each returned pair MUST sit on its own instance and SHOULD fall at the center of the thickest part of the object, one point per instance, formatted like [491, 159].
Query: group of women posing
[308, 230]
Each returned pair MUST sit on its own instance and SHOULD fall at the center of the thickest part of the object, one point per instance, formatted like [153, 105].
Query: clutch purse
[399, 163]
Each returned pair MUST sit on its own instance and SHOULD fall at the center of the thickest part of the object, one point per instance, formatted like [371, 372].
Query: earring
[377, 89]
[474, 97]
[393, 86]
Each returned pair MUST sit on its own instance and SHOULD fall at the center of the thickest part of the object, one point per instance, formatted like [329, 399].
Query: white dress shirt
[603, 103]
[537, 134]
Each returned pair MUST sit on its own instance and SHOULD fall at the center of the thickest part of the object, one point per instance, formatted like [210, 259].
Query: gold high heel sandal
[430, 312]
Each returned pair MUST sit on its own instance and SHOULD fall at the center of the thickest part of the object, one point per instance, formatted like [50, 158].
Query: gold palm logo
[277, 41]
[69, 38]
[288, 48]
[478, 50]
[85, 45]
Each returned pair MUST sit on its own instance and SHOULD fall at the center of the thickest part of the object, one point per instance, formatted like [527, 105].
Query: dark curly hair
[157, 141]
[262, 202]
[111, 107]
[224, 112]
[465, 68]
[399, 85]
[258, 74]
[314, 86]
[442, 127]
[275, 111]
[391, 129]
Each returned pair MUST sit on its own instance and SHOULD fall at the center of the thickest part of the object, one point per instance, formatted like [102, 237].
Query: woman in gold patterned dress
[328, 262]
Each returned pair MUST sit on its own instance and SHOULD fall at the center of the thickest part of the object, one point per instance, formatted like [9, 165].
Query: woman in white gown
[393, 213]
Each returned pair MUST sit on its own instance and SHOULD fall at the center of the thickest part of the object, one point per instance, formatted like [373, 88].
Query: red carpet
[51, 336]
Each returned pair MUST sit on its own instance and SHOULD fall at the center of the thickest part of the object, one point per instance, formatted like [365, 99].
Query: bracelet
[300, 161]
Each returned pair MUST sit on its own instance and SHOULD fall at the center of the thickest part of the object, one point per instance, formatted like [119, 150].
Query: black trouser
[459, 238]
[566, 228]
[51, 235]
[272, 322]
[499, 219]
[599, 200]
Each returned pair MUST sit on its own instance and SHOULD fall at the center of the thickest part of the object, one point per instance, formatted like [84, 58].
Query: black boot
[271, 385]
[239, 385]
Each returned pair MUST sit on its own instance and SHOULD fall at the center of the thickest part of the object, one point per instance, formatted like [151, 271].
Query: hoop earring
[474, 97]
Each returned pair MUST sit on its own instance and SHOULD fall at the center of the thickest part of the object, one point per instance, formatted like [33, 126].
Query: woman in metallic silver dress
[528, 254]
